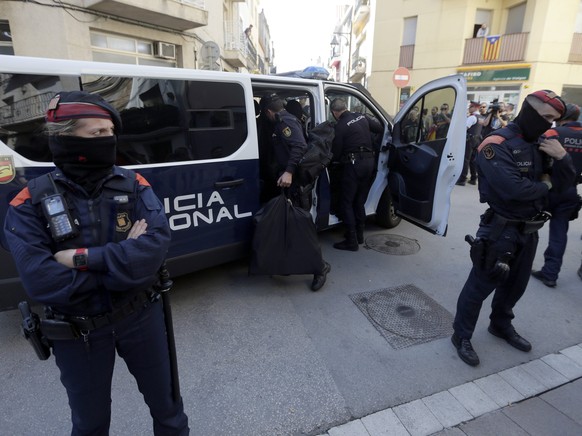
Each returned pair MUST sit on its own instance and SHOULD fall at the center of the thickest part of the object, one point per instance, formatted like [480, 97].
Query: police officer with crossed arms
[94, 271]
[514, 180]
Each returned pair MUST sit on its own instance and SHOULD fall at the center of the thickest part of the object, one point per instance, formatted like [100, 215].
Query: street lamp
[335, 44]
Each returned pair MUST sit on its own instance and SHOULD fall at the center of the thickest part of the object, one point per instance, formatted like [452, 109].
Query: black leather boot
[350, 243]
[360, 234]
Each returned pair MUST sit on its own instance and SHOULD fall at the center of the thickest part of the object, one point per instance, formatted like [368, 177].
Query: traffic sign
[401, 77]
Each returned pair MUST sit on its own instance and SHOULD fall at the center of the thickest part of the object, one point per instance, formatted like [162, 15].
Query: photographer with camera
[495, 118]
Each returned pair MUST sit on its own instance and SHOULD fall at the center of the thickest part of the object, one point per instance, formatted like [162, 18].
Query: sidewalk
[539, 398]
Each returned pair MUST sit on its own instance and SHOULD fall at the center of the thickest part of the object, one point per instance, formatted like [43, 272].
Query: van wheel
[385, 214]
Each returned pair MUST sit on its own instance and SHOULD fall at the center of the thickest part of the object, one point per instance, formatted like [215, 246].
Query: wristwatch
[80, 259]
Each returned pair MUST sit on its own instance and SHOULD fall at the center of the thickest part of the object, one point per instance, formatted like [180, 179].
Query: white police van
[196, 136]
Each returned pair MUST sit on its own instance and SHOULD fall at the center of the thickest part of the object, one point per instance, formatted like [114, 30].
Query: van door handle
[229, 183]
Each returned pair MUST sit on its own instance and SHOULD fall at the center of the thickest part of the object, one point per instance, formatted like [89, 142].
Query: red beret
[74, 105]
[551, 98]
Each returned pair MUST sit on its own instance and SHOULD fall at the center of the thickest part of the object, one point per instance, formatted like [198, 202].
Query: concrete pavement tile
[417, 419]
[574, 353]
[545, 374]
[539, 418]
[499, 390]
[473, 399]
[352, 428]
[523, 381]
[447, 409]
[564, 365]
[454, 431]
[384, 423]
[492, 424]
[567, 399]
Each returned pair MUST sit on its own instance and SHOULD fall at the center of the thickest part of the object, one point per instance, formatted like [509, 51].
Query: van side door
[426, 152]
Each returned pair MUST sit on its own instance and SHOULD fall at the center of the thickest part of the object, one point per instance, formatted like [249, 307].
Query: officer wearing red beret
[88, 240]
[514, 180]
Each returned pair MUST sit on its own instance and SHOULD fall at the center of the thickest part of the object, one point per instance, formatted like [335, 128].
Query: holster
[57, 330]
[487, 262]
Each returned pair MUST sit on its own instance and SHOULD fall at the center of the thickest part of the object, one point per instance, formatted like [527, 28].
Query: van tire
[385, 213]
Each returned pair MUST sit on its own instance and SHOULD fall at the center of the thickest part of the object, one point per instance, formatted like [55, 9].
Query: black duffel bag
[285, 240]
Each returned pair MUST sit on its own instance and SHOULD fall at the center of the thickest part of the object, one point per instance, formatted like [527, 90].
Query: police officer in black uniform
[95, 270]
[289, 146]
[352, 146]
[515, 181]
[563, 206]
[472, 141]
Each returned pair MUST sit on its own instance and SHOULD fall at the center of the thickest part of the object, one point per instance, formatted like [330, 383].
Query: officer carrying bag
[318, 154]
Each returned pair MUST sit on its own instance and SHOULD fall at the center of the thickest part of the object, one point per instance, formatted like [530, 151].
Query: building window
[127, 50]
[5, 39]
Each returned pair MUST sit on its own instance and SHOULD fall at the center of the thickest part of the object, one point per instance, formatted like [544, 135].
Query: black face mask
[531, 123]
[86, 161]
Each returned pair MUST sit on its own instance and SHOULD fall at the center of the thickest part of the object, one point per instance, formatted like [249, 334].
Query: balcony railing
[511, 48]
[239, 50]
[406, 56]
[576, 48]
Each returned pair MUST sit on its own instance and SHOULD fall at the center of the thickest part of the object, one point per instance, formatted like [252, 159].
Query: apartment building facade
[202, 34]
[528, 45]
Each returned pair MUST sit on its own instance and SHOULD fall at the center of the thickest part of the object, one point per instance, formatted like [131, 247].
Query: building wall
[444, 25]
[50, 31]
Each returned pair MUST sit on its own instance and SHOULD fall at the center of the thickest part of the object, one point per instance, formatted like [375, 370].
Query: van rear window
[163, 120]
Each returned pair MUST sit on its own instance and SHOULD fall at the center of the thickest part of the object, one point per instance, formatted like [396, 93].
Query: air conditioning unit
[164, 50]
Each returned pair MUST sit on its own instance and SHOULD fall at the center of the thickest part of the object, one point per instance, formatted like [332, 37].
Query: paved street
[266, 356]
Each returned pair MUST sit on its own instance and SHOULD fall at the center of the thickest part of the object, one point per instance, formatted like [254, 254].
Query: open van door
[427, 151]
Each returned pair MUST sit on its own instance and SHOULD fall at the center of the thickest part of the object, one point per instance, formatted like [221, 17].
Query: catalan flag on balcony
[491, 47]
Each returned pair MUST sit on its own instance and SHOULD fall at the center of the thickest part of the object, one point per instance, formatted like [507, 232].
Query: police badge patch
[7, 172]
[488, 152]
[287, 131]
[123, 223]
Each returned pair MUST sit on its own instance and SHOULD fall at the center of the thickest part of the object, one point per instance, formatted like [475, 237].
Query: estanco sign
[504, 75]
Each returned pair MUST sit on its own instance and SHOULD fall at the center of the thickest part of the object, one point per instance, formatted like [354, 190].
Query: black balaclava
[531, 124]
[86, 161]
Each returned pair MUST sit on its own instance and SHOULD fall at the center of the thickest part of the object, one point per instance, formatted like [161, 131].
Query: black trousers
[87, 369]
[356, 178]
[478, 287]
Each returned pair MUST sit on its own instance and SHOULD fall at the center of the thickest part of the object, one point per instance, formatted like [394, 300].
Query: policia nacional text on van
[194, 136]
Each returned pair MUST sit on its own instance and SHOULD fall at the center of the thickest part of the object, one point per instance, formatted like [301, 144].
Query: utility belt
[498, 223]
[62, 327]
[360, 154]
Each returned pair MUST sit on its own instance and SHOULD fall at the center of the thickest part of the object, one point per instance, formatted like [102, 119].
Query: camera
[495, 106]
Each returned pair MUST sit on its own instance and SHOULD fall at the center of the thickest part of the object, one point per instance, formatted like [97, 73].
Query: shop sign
[507, 75]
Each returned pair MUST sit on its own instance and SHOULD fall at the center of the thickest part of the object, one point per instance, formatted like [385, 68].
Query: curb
[459, 404]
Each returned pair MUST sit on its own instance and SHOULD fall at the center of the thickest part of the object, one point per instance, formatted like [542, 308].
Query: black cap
[572, 112]
[268, 100]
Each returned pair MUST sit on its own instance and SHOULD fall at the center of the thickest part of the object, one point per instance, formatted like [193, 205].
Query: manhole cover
[404, 315]
[393, 244]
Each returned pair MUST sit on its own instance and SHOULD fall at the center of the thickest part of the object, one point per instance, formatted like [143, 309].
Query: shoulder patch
[488, 152]
[21, 197]
[141, 180]
[492, 139]
[7, 172]
[287, 131]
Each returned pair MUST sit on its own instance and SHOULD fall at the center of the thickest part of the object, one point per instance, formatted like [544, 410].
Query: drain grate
[392, 244]
[405, 315]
